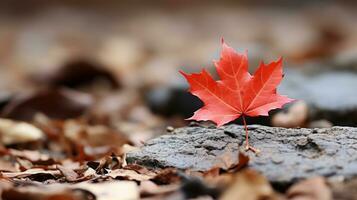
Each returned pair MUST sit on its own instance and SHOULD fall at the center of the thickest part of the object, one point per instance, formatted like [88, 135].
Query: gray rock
[287, 154]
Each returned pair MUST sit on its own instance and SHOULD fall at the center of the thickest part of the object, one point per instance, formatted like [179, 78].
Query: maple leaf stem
[246, 132]
[247, 145]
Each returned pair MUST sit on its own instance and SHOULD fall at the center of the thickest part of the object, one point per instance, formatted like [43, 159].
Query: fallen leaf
[249, 185]
[114, 190]
[167, 176]
[215, 178]
[89, 173]
[344, 190]
[149, 188]
[24, 164]
[328, 41]
[35, 174]
[295, 116]
[232, 163]
[4, 185]
[69, 173]
[44, 192]
[323, 123]
[31, 155]
[238, 92]
[125, 174]
[12, 132]
[310, 189]
[77, 73]
[243, 161]
[93, 136]
[54, 103]
[138, 168]
[8, 166]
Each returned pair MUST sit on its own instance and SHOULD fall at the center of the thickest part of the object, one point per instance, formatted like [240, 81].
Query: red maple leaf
[237, 93]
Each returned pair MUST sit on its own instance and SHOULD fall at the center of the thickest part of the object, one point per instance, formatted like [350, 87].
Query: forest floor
[93, 107]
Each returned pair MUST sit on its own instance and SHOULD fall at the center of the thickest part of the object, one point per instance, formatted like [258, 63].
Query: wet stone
[281, 159]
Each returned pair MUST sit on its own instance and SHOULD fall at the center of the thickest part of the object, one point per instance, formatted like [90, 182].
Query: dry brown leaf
[296, 116]
[93, 136]
[243, 161]
[43, 192]
[130, 175]
[35, 173]
[138, 168]
[217, 180]
[167, 176]
[12, 132]
[55, 103]
[310, 189]
[114, 190]
[149, 188]
[4, 184]
[69, 173]
[229, 161]
[76, 74]
[89, 173]
[343, 190]
[33, 156]
[7, 166]
[24, 164]
[249, 185]
[214, 177]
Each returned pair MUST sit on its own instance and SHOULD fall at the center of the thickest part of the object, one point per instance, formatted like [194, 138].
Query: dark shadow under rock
[287, 154]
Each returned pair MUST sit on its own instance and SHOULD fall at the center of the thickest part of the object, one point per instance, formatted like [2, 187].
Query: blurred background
[116, 62]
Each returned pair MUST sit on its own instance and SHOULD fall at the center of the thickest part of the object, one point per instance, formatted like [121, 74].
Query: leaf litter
[72, 146]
